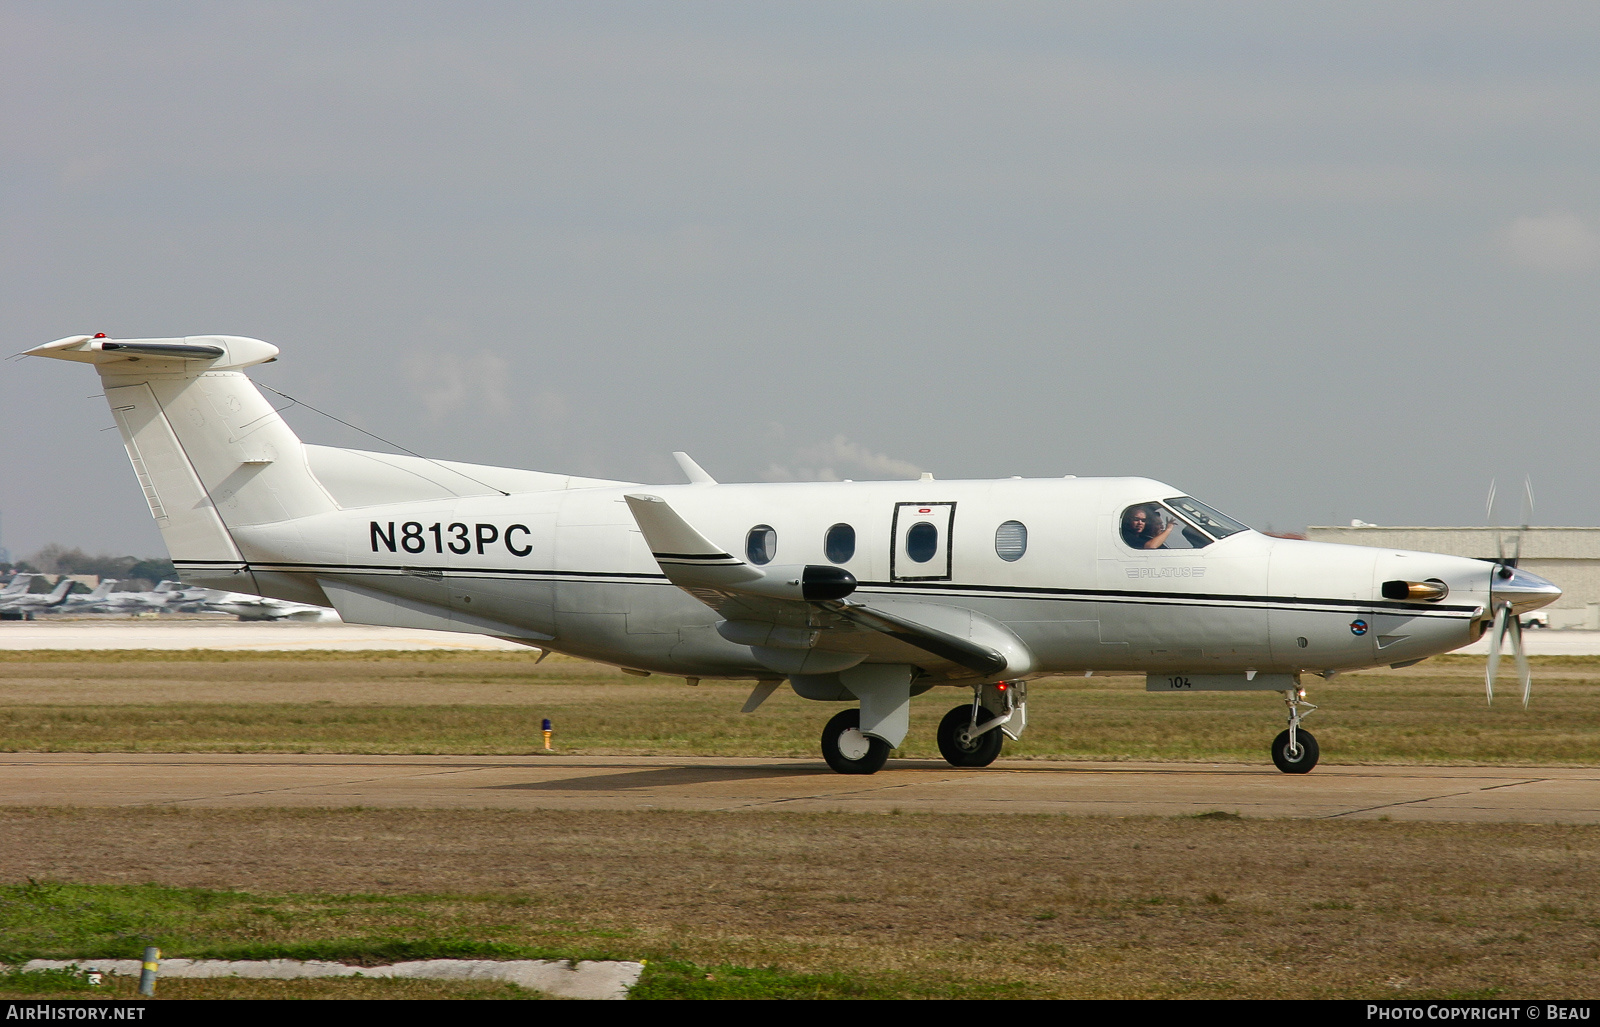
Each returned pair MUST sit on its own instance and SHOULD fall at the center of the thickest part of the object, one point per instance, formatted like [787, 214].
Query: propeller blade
[1527, 514]
[1523, 672]
[1499, 536]
[1497, 633]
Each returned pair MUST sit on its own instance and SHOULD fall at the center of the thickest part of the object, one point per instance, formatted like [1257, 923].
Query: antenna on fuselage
[694, 472]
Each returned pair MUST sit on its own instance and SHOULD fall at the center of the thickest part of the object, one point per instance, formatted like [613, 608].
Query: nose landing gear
[967, 740]
[971, 735]
[1295, 751]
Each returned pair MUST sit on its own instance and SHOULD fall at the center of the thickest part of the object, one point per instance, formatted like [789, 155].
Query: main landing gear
[847, 750]
[1295, 750]
[971, 735]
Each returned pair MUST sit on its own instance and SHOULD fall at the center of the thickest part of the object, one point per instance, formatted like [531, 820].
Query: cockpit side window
[1154, 526]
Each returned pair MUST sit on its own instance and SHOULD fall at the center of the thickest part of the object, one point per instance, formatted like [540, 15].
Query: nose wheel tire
[847, 750]
[959, 751]
[1299, 762]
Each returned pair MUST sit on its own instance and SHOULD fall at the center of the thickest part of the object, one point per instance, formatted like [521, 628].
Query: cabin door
[921, 542]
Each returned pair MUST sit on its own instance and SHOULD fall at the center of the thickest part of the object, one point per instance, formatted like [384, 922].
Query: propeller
[1506, 622]
[1503, 587]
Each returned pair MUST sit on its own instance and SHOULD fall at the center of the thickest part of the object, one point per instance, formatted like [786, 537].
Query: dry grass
[909, 905]
[491, 703]
[890, 905]
[126, 989]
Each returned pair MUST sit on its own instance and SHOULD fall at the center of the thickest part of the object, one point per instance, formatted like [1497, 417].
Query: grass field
[833, 905]
[491, 704]
[771, 904]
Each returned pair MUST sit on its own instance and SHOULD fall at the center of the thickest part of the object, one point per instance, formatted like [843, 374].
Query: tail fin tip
[220, 352]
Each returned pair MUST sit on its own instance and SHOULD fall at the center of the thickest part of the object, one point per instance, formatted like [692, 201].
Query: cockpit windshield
[1216, 525]
[1175, 524]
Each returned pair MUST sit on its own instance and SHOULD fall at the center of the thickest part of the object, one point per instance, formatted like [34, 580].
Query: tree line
[135, 572]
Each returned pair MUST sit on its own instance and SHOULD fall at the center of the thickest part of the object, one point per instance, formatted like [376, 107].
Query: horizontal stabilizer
[221, 352]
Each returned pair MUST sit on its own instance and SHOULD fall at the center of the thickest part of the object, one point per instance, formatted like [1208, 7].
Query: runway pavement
[1508, 795]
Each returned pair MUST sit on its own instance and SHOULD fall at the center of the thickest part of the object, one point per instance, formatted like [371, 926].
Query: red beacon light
[99, 335]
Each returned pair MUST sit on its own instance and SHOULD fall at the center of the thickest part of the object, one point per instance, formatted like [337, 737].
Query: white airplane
[25, 602]
[253, 607]
[861, 592]
[157, 599]
[89, 601]
[18, 585]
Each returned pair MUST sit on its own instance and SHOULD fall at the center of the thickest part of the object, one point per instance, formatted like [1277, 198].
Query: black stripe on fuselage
[694, 556]
[929, 589]
[363, 568]
[1392, 606]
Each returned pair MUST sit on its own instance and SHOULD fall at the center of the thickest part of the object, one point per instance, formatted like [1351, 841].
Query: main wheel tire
[1296, 763]
[977, 752]
[847, 750]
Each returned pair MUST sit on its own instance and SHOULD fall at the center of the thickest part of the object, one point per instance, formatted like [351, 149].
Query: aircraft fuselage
[570, 569]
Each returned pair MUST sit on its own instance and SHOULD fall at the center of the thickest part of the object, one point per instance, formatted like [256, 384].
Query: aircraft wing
[800, 609]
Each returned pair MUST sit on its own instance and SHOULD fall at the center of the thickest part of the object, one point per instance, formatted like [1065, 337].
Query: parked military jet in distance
[859, 592]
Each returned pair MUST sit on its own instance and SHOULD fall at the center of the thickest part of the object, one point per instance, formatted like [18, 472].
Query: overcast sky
[1307, 262]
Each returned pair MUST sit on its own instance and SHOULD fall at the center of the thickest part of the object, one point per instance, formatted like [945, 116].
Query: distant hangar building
[1570, 557]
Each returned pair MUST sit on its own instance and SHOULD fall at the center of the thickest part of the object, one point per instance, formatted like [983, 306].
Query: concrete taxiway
[1496, 795]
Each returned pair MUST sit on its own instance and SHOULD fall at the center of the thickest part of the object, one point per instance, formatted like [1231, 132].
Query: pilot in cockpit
[1147, 527]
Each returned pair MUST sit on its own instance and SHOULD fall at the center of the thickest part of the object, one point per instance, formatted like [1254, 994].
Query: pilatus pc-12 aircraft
[867, 593]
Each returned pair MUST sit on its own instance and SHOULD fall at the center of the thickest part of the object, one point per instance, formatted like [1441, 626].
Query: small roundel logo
[1358, 627]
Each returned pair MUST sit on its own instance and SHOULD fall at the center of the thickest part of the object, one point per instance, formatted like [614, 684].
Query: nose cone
[1525, 592]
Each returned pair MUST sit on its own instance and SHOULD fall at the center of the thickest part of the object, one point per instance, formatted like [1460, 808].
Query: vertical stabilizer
[210, 453]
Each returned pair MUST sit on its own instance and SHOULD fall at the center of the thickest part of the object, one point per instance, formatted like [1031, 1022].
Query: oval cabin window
[922, 542]
[761, 545]
[840, 543]
[1011, 541]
